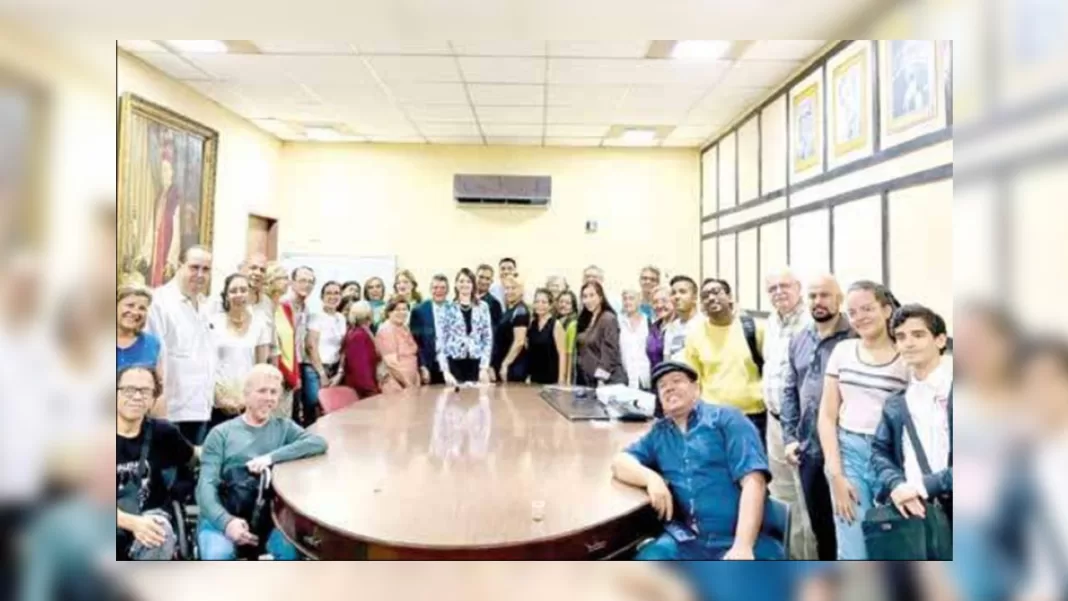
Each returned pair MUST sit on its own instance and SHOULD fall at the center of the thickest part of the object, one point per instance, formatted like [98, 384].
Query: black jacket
[422, 326]
[888, 454]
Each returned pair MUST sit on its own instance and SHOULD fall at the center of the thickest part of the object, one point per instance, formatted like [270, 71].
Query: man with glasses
[179, 318]
[720, 352]
[303, 282]
[789, 317]
[144, 449]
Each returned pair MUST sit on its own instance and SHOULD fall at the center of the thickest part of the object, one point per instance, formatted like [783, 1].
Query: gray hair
[360, 313]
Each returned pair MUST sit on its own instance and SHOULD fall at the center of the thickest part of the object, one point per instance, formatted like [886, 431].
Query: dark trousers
[818, 502]
[464, 370]
[760, 420]
[436, 377]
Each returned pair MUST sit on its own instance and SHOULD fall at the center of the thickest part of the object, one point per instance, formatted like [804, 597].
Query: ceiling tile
[140, 46]
[510, 114]
[599, 49]
[465, 140]
[648, 117]
[434, 129]
[414, 48]
[275, 47]
[503, 70]
[619, 142]
[684, 142]
[397, 139]
[577, 71]
[691, 131]
[566, 95]
[758, 73]
[440, 112]
[173, 65]
[791, 50]
[572, 141]
[659, 96]
[513, 141]
[578, 114]
[415, 68]
[352, 95]
[385, 128]
[507, 95]
[510, 129]
[662, 72]
[518, 48]
[330, 70]
[576, 131]
[429, 93]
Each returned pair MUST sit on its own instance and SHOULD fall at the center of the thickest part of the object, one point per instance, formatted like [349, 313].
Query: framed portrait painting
[910, 85]
[850, 106]
[166, 189]
[806, 128]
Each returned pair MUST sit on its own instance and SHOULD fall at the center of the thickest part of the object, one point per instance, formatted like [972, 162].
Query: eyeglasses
[133, 391]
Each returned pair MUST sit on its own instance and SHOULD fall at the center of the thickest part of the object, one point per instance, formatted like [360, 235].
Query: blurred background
[57, 257]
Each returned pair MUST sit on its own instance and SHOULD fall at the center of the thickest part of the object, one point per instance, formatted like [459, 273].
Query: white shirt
[632, 349]
[331, 328]
[777, 349]
[927, 401]
[235, 354]
[188, 353]
[675, 337]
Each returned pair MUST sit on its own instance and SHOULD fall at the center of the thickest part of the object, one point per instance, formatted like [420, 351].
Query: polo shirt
[724, 363]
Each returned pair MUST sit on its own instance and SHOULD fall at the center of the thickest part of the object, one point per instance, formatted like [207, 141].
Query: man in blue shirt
[706, 473]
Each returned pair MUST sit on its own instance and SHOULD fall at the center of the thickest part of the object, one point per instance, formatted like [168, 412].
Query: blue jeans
[666, 548]
[214, 546]
[309, 393]
[855, 450]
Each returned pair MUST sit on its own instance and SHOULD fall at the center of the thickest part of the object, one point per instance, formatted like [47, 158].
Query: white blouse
[632, 349]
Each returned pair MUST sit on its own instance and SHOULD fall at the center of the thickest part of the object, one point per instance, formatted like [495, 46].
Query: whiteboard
[341, 268]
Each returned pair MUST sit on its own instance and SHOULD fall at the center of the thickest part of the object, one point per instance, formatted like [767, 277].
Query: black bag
[890, 536]
[248, 496]
[750, 330]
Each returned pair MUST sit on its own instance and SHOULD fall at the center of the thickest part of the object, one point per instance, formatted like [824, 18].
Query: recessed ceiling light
[700, 49]
[639, 136]
[198, 46]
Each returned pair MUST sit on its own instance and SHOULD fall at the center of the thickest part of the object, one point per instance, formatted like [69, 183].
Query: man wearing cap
[706, 473]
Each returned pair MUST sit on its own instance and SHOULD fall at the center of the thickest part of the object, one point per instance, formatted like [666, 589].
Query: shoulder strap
[910, 427]
[750, 330]
[146, 446]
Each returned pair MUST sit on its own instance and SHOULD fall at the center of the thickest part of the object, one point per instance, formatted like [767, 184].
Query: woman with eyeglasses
[396, 345]
[664, 313]
[242, 339]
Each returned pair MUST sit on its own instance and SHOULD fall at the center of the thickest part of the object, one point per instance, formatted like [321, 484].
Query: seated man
[920, 336]
[256, 440]
[706, 473]
[144, 449]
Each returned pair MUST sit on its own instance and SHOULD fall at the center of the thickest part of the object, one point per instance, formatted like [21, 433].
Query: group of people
[826, 386]
[822, 385]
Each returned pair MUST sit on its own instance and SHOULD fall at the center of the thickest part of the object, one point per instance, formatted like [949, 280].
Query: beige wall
[919, 218]
[248, 160]
[379, 199]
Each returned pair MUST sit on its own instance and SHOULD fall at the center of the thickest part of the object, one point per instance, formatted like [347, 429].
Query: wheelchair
[184, 511]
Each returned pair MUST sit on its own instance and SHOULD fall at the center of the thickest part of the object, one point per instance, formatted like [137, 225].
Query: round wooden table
[487, 473]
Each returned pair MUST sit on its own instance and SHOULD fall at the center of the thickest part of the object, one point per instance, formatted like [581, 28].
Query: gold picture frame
[165, 188]
[909, 82]
[807, 128]
[850, 91]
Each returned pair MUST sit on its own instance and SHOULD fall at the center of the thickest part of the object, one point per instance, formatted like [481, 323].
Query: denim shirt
[704, 467]
[803, 383]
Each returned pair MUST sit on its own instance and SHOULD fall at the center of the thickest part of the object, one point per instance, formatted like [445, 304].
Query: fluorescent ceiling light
[198, 46]
[639, 136]
[700, 49]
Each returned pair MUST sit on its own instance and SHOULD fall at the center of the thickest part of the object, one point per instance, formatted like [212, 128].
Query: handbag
[890, 536]
[247, 496]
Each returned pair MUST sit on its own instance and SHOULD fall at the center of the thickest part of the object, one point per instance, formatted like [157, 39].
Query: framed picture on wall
[166, 189]
[909, 82]
[806, 128]
[850, 101]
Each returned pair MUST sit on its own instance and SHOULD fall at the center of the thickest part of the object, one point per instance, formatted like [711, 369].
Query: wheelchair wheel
[181, 532]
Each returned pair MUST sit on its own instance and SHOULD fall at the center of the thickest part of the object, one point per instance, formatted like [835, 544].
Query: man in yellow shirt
[717, 348]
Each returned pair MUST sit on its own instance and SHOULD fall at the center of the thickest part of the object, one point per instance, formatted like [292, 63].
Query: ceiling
[555, 93]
